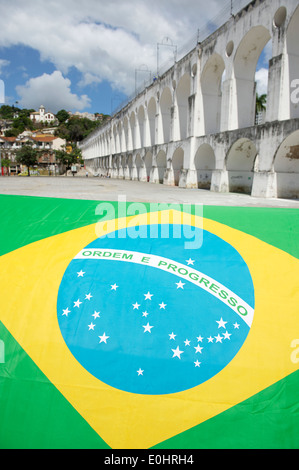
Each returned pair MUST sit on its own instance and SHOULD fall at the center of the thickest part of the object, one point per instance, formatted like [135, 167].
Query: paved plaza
[104, 189]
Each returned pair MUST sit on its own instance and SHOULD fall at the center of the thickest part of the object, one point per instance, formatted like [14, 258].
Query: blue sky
[24, 63]
[83, 56]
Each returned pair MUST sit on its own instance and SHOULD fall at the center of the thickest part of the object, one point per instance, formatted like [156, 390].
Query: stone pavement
[104, 189]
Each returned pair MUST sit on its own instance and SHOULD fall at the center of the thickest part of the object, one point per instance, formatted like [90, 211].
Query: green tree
[261, 101]
[69, 158]
[77, 155]
[7, 112]
[28, 156]
[62, 132]
[63, 157]
[62, 116]
[76, 131]
[5, 162]
[76, 128]
[12, 133]
[22, 122]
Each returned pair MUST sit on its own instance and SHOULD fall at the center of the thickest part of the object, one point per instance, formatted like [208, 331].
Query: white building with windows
[42, 115]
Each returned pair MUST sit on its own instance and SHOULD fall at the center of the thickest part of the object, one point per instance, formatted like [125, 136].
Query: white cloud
[261, 78]
[53, 91]
[3, 63]
[104, 40]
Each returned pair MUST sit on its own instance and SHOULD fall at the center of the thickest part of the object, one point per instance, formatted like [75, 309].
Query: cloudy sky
[89, 56]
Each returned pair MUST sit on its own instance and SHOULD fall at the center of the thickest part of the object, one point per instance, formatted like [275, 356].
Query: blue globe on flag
[150, 316]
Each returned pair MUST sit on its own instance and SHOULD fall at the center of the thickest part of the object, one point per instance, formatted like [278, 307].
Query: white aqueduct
[195, 125]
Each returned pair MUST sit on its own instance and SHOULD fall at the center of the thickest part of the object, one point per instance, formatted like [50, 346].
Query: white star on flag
[187, 342]
[221, 323]
[145, 314]
[190, 261]
[227, 335]
[162, 305]
[88, 296]
[136, 306]
[147, 328]
[104, 338]
[177, 352]
[148, 296]
[78, 303]
[91, 326]
[197, 364]
[197, 349]
[140, 372]
[172, 336]
[96, 314]
[80, 273]
[180, 285]
[218, 339]
[114, 287]
[66, 312]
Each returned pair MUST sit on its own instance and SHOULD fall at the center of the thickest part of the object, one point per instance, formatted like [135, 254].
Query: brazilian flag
[128, 327]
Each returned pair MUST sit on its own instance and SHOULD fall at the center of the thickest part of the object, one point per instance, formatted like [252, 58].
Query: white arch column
[146, 130]
[142, 172]
[113, 172]
[191, 177]
[123, 144]
[127, 175]
[131, 132]
[284, 67]
[154, 174]
[110, 167]
[138, 132]
[147, 165]
[228, 119]
[120, 167]
[151, 115]
[175, 121]
[134, 172]
[175, 166]
[159, 125]
[219, 179]
[264, 178]
[278, 93]
[264, 184]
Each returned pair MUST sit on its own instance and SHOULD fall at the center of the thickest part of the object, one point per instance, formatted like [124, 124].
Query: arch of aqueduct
[195, 125]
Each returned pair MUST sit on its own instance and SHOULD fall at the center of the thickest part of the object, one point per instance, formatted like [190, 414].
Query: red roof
[41, 138]
[9, 139]
[44, 138]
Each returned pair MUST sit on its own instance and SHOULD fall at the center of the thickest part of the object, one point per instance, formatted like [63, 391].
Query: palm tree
[260, 104]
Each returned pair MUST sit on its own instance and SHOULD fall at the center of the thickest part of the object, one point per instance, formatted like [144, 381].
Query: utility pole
[143, 69]
[166, 42]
